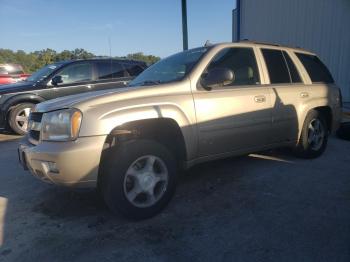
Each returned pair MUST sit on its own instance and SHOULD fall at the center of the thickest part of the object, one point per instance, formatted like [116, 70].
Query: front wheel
[139, 178]
[19, 116]
[314, 136]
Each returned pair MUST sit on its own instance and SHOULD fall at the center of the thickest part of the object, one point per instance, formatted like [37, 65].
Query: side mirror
[217, 77]
[56, 80]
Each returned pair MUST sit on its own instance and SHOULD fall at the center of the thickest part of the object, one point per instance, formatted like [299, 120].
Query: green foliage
[34, 60]
[149, 59]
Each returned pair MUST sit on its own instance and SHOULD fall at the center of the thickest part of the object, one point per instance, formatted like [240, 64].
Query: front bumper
[76, 162]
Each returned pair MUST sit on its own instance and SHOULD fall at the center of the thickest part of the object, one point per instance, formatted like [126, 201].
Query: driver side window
[76, 73]
[241, 61]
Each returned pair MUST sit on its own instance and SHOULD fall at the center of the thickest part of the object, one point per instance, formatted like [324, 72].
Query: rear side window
[118, 70]
[276, 65]
[110, 69]
[317, 71]
[294, 75]
[104, 69]
[133, 69]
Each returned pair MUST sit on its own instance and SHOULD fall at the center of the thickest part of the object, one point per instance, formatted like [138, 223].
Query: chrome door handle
[89, 86]
[304, 94]
[259, 99]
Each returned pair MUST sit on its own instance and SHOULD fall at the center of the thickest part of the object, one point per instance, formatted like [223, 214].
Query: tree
[149, 59]
[34, 60]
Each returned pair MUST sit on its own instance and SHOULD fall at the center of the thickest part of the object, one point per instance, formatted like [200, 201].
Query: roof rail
[259, 42]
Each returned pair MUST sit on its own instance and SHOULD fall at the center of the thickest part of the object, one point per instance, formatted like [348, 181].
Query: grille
[36, 117]
[34, 123]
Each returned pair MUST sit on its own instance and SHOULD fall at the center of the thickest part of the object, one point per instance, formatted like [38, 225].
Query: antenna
[110, 47]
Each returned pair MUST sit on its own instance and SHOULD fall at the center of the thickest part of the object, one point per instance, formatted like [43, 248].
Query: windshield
[172, 68]
[43, 72]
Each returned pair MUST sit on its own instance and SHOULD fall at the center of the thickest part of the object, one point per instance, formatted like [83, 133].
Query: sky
[148, 26]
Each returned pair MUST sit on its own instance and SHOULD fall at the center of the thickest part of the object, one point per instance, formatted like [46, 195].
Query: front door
[76, 78]
[235, 116]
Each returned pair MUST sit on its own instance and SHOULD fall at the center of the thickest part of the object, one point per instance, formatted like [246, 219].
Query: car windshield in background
[11, 69]
[43, 72]
[172, 68]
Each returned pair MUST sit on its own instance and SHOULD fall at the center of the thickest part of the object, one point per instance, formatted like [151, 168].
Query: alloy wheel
[316, 134]
[146, 181]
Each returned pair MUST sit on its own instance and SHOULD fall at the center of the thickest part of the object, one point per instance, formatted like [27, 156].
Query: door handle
[89, 86]
[304, 94]
[259, 99]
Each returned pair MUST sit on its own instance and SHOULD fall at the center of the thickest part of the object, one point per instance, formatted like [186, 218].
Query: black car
[61, 79]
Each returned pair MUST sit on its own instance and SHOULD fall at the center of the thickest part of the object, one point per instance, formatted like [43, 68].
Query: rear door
[288, 93]
[110, 74]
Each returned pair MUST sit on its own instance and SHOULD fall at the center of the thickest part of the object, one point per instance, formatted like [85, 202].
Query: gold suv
[195, 106]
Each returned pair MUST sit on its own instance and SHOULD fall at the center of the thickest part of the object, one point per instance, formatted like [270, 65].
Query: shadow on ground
[263, 207]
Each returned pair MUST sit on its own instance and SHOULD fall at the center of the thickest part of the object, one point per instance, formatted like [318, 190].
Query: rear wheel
[314, 136]
[139, 178]
[19, 116]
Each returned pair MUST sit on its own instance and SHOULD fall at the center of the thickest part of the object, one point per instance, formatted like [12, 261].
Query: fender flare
[14, 100]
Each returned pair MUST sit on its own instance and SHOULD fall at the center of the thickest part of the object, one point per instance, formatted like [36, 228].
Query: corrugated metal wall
[322, 26]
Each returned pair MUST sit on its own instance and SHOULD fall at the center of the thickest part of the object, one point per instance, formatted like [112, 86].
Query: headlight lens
[61, 125]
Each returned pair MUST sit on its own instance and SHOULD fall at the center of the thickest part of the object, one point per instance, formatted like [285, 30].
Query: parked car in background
[195, 106]
[62, 79]
[11, 73]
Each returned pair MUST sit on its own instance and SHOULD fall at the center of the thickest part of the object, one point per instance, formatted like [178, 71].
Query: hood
[16, 87]
[72, 100]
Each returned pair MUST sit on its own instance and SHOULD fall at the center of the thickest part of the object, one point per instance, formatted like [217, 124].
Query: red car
[11, 73]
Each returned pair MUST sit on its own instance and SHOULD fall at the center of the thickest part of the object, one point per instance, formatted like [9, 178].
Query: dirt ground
[263, 207]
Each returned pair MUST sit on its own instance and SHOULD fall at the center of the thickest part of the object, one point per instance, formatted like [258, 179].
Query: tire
[313, 143]
[344, 131]
[127, 170]
[18, 118]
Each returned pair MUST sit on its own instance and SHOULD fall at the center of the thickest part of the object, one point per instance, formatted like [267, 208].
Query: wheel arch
[321, 105]
[165, 131]
[19, 99]
[326, 111]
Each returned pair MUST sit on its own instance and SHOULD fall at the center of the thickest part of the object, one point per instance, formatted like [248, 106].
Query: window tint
[133, 69]
[104, 69]
[276, 65]
[118, 70]
[76, 73]
[241, 61]
[294, 75]
[317, 71]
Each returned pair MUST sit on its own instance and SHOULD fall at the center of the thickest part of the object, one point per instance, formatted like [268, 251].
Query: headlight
[61, 125]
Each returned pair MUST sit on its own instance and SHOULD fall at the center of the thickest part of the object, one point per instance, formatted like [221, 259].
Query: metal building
[321, 26]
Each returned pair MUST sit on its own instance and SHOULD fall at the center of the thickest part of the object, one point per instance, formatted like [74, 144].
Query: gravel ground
[263, 207]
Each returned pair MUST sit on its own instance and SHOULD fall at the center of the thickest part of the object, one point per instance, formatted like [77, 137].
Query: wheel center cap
[147, 181]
